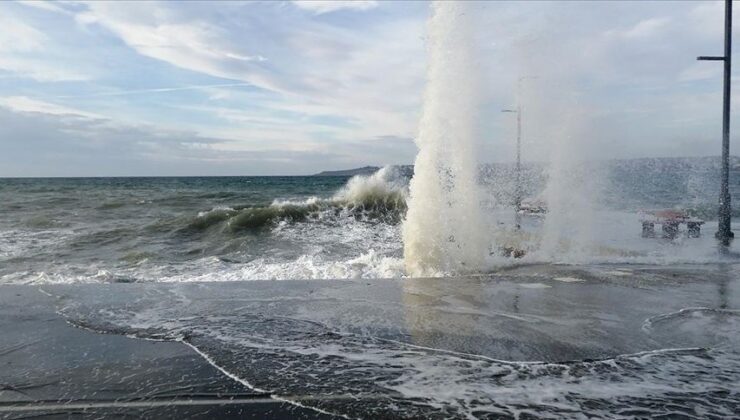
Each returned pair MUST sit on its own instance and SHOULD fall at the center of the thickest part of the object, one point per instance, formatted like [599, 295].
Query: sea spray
[386, 190]
[444, 229]
[570, 230]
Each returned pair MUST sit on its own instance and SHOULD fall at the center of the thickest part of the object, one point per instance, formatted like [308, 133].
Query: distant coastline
[707, 161]
[365, 170]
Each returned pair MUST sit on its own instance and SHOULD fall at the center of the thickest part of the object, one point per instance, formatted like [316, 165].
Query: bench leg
[670, 230]
[694, 230]
[648, 230]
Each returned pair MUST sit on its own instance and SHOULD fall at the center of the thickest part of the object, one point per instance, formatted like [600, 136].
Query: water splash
[386, 189]
[444, 228]
[570, 229]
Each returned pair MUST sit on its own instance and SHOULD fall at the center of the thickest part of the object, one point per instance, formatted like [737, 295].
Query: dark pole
[518, 168]
[725, 208]
[518, 196]
[518, 190]
[724, 233]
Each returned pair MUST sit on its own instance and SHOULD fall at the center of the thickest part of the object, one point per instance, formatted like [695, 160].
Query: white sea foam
[305, 202]
[217, 209]
[569, 279]
[367, 265]
[370, 264]
[19, 242]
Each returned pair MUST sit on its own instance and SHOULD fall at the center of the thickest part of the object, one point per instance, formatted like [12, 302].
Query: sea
[242, 228]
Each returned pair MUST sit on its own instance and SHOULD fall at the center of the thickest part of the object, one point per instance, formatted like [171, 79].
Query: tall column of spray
[570, 231]
[443, 231]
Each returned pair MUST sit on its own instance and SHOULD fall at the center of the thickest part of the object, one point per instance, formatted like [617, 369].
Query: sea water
[67, 230]
[199, 228]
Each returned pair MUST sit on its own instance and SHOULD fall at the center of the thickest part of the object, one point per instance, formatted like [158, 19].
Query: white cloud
[41, 139]
[646, 28]
[26, 104]
[327, 6]
[700, 71]
[27, 51]
[240, 57]
[316, 69]
[156, 90]
[39, 69]
[707, 19]
[17, 36]
[189, 42]
[46, 5]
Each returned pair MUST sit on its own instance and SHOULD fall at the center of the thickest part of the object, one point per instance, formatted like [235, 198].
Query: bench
[670, 221]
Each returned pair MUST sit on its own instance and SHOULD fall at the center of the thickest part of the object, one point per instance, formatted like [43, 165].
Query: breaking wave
[379, 197]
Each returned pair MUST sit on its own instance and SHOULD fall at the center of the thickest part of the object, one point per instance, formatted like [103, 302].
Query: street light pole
[724, 232]
[518, 168]
[518, 188]
[518, 193]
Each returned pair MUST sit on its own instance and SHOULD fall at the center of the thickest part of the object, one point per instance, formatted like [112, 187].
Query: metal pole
[518, 190]
[517, 186]
[724, 233]
[518, 193]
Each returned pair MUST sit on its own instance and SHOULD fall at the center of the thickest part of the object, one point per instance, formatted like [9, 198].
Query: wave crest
[383, 191]
[379, 197]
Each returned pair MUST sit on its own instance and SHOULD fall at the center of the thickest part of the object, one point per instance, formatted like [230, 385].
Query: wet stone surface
[50, 369]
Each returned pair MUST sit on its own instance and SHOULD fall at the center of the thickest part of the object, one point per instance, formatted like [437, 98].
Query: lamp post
[724, 232]
[518, 187]
[518, 111]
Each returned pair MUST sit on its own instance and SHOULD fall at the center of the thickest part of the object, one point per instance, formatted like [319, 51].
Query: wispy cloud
[315, 68]
[25, 104]
[49, 6]
[644, 28]
[327, 6]
[18, 36]
[155, 90]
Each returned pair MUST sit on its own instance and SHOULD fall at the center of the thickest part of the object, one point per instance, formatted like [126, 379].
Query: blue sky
[282, 87]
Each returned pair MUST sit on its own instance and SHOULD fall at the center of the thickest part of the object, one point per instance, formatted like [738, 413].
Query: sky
[297, 87]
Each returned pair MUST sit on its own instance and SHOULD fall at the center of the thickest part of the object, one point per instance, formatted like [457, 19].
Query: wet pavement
[533, 341]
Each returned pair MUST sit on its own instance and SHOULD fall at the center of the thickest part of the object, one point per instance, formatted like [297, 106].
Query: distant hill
[365, 170]
[667, 163]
